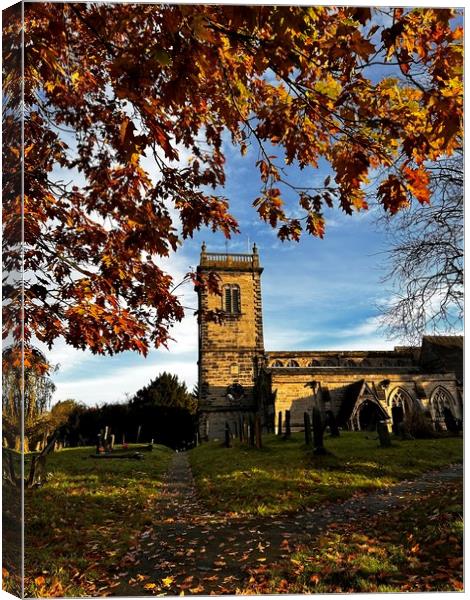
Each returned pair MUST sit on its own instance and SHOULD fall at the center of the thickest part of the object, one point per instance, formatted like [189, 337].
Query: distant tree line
[163, 410]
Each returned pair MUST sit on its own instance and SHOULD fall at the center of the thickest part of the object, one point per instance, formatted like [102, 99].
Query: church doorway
[369, 415]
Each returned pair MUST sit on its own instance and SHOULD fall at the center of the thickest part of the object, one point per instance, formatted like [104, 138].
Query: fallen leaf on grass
[150, 586]
[167, 581]
[40, 580]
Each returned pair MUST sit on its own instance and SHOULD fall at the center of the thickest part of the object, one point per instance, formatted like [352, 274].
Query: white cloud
[112, 388]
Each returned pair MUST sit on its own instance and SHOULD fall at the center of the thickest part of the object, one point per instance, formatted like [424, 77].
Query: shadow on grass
[85, 518]
[285, 475]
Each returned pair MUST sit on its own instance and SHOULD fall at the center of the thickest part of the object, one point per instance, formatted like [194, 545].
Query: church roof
[351, 394]
[442, 353]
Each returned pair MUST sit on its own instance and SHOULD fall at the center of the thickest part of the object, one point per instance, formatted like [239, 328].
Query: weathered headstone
[287, 425]
[245, 429]
[332, 423]
[403, 431]
[227, 441]
[307, 429]
[279, 423]
[258, 441]
[111, 441]
[318, 447]
[252, 432]
[449, 420]
[384, 434]
[139, 428]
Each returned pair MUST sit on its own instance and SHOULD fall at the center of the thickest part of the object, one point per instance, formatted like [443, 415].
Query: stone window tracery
[440, 400]
[401, 399]
[314, 363]
[277, 363]
[293, 363]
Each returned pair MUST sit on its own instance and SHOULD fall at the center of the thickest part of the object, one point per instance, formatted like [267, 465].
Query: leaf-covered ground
[111, 527]
[191, 551]
[416, 548]
[285, 475]
[87, 515]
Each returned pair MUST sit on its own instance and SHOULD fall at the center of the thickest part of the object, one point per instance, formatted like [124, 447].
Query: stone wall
[294, 393]
[230, 351]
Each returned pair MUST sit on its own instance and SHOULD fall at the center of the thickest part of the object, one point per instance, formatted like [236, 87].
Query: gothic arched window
[292, 363]
[401, 399]
[314, 363]
[277, 363]
[231, 299]
[440, 400]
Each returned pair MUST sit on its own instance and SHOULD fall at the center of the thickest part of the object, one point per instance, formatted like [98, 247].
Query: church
[238, 378]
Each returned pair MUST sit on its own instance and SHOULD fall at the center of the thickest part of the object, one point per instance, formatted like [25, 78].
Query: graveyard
[285, 476]
[117, 527]
[86, 516]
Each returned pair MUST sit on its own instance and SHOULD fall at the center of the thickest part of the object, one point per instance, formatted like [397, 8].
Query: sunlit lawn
[86, 517]
[285, 476]
[417, 547]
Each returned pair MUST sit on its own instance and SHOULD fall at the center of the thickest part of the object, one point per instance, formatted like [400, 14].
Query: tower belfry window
[231, 299]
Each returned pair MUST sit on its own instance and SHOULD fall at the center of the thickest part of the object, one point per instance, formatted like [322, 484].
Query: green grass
[86, 517]
[417, 548]
[285, 476]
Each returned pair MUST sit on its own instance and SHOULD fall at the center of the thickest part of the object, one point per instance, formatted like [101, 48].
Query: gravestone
[384, 435]
[245, 429]
[332, 423]
[279, 423]
[287, 425]
[228, 441]
[403, 431]
[307, 429]
[252, 432]
[258, 441]
[318, 447]
[449, 420]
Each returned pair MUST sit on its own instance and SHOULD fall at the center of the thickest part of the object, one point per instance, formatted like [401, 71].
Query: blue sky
[317, 294]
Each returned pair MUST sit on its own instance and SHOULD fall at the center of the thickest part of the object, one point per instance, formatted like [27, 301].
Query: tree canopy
[107, 85]
[165, 390]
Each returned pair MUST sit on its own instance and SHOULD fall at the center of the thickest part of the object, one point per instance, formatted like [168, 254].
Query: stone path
[190, 550]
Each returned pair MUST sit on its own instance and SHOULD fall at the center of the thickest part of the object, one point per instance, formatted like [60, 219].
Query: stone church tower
[231, 350]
